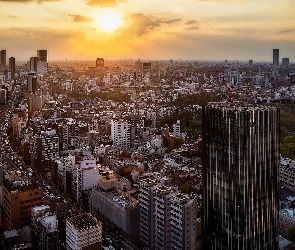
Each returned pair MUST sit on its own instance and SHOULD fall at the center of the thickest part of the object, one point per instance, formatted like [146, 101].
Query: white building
[83, 231]
[176, 129]
[121, 133]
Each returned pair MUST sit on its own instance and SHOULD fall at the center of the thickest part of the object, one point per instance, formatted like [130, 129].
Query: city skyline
[190, 30]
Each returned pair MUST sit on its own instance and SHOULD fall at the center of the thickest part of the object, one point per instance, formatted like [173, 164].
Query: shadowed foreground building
[240, 176]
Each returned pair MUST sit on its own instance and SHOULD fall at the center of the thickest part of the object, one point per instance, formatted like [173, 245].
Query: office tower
[12, 67]
[33, 64]
[183, 221]
[120, 133]
[32, 84]
[100, 62]
[3, 59]
[275, 57]
[83, 232]
[285, 61]
[250, 62]
[19, 195]
[42, 55]
[240, 176]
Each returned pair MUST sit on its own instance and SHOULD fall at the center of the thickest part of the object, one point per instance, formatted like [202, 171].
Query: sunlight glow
[109, 20]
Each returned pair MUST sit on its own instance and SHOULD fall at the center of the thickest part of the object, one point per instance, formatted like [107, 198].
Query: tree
[291, 234]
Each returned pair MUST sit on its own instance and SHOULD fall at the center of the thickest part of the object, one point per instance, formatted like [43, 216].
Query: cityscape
[147, 125]
[147, 154]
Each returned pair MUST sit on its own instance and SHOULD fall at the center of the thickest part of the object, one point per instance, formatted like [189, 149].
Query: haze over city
[186, 29]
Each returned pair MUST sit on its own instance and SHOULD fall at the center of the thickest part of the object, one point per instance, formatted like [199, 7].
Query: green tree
[291, 234]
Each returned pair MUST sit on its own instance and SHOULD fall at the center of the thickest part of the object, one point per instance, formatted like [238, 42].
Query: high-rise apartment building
[42, 55]
[183, 221]
[240, 176]
[162, 203]
[146, 212]
[275, 57]
[12, 67]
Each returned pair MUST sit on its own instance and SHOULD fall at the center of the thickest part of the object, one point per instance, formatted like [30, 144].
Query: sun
[109, 20]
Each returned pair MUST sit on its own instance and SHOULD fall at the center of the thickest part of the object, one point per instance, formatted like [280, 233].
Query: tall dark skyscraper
[3, 59]
[240, 177]
[275, 57]
[42, 55]
[12, 67]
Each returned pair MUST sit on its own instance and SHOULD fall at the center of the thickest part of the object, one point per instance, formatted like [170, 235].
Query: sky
[148, 30]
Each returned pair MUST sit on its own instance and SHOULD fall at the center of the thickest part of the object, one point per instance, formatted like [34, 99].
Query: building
[285, 61]
[42, 55]
[250, 62]
[118, 211]
[162, 221]
[176, 129]
[45, 148]
[287, 173]
[3, 59]
[19, 195]
[121, 133]
[275, 57]
[32, 84]
[47, 230]
[240, 176]
[146, 212]
[12, 67]
[33, 63]
[83, 232]
[100, 62]
[183, 222]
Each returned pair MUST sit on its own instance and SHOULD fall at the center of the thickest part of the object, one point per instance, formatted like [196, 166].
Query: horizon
[201, 30]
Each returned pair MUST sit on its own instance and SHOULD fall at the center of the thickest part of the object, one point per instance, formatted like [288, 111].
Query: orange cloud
[104, 3]
[79, 18]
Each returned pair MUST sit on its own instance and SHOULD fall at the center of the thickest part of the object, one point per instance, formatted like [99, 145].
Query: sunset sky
[149, 30]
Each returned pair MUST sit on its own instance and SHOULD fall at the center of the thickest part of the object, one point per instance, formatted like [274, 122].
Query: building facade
[276, 58]
[240, 176]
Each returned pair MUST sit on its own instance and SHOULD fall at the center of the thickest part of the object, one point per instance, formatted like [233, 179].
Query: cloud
[141, 24]
[27, 1]
[191, 22]
[79, 18]
[287, 31]
[44, 32]
[104, 3]
[192, 28]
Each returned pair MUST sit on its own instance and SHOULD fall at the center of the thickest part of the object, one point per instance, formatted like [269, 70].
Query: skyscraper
[12, 67]
[275, 57]
[42, 55]
[100, 62]
[3, 59]
[240, 176]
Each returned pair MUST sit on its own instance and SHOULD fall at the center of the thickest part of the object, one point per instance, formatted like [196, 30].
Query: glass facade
[240, 176]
